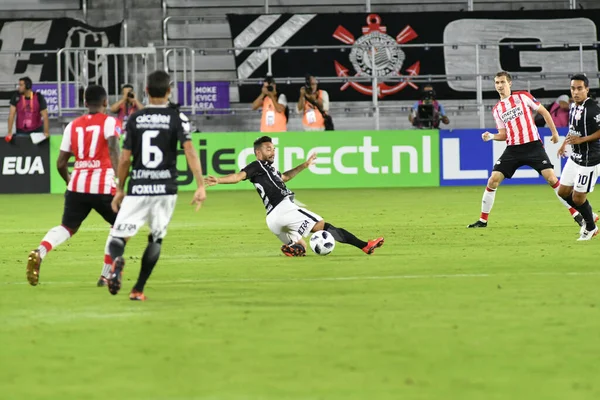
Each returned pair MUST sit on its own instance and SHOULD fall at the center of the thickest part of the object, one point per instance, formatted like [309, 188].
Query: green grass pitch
[439, 312]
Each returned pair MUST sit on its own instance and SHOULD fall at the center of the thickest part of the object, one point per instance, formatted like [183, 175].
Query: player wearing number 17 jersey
[524, 146]
[93, 139]
[289, 222]
[152, 137]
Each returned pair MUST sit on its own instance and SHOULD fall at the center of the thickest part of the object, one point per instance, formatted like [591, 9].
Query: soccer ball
[322, 243]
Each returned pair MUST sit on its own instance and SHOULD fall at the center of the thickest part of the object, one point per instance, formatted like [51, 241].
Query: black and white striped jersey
[268, 183]
[584, 120]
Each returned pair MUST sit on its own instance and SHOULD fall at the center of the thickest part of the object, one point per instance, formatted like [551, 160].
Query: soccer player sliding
[524, 146]
[289, 222]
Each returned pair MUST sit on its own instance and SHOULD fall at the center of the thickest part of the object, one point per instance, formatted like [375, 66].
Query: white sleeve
[65, 144]
[110, 127]
[530, 101]
[325, 99]
[282, 100]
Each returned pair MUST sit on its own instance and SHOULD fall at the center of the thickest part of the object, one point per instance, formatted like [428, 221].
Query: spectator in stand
[313, 102]
[30, 110]
[127, 105]
[274, 107]
[559, 111]
[427, 113]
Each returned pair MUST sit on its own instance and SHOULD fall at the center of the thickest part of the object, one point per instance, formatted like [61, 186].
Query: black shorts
[531, 154]
[79, 205]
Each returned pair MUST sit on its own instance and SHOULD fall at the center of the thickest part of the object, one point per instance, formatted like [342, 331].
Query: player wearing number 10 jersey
[289, 222]
[94, 141]
[151, 137]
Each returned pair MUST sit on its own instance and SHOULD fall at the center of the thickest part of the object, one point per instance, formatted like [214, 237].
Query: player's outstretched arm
[227, 179]
[194, 164]
[548, 118]
[122, 174]
[61, 165]
[287, 175]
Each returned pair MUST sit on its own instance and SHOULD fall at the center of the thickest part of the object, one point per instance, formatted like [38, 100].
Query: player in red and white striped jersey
[514, 120]
[94, 141]
[87, 139]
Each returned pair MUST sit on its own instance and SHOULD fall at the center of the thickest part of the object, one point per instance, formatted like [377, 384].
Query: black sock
[343, 236]
[588, 215]
[570, 201]
[149, 260]
[585, 210]
[116, 247]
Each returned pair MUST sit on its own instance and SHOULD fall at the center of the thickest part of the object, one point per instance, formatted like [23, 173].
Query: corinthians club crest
[388, 57]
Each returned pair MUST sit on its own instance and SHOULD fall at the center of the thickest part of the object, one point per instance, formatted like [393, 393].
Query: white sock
[106, 270]
[107, 258]
[573, 211]
[487, 202]
[55, 237]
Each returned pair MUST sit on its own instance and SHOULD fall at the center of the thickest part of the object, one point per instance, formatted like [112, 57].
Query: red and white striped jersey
[87, 139]
[514, 115]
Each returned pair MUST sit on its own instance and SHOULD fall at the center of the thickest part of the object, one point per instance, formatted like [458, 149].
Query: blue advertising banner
[466, 160]
[50, 93]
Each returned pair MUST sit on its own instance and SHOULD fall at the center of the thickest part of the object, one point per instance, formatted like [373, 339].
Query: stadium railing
[79, 67]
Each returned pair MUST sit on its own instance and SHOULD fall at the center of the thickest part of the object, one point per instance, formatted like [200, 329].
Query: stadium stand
[202, 26]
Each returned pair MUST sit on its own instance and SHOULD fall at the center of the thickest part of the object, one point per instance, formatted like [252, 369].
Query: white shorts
[582, 179]
[290, 223]
[137, 210]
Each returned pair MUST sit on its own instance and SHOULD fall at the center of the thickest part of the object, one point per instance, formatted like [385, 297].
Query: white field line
[335, 278]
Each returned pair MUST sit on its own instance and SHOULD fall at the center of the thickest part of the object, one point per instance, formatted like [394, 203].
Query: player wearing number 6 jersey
[94, 141]
[524, 146]
[581, 171]
[289, 222]
[151, 138]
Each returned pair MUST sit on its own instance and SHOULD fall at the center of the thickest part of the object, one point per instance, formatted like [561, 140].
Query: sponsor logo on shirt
[511, 114]
[149, 189]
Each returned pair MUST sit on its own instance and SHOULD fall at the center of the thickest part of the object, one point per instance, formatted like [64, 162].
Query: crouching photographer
[313, 104]
[427, 113]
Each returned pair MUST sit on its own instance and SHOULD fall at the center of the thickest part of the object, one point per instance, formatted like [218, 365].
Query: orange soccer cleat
[372, 245]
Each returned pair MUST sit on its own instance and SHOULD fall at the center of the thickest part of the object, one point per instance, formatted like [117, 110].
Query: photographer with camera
[314, 105]
[127, 105]
[427, 113]
[274, 107]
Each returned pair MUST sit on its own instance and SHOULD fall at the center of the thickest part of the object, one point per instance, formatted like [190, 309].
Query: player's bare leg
[487, 202]
[55, 237]
[554, 183]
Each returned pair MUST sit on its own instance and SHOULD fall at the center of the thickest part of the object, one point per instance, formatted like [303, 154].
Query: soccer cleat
[33, 267]
[588, 235]
[582, 229]
[102, 281]
[135, 295]
[294, 250]
[116, 273]
[478, 224]
[372, 245]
